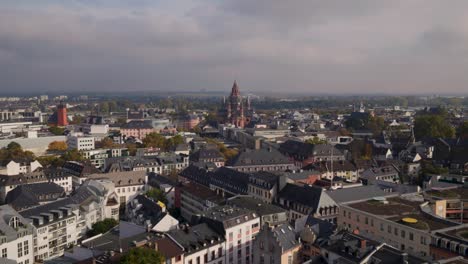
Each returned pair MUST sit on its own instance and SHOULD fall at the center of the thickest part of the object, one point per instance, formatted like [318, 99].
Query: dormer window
[14, 222]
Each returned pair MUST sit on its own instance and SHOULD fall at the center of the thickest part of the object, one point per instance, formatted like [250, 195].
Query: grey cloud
[305, 45]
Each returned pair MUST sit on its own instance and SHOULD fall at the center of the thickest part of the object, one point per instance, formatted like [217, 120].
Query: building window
[389, 229]
[423, 240]
[26, 248]
[411, 236]
[20, 250]
[289, 259]
[381, 227]
[4, 253]
[403, 233]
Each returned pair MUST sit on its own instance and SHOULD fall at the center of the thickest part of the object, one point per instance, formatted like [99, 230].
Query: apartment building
[16, 237]
[238, 226]
[201, 244]
[59, 225]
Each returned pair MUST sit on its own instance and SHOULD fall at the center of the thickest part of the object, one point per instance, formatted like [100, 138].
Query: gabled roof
[30, 195]
[285, 237]
[268, 156]
[311, 196]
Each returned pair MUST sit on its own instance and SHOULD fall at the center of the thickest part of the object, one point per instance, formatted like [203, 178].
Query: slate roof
[149, 209]
[80, 169]
[306, 195]
[372, 173]
[7, 212]
[302, 149]
[30, 195]
[259, 157]
[266, 179]
[83, 195]
[223, 217]
[339, 165]
[40, 175]
[207, 154]
[122, 178]
[285, 237]
[137, 124]
[259, 207]
[230, 180]
[359, 193]
[196, 237]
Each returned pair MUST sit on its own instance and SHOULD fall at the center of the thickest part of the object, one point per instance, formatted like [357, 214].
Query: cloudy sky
[313, 46]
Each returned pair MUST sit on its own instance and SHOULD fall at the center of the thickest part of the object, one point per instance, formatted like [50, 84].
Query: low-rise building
[151, 214]
[15, 167]
[261, 160]
[386, 173]
[80, 142]
[403, 222]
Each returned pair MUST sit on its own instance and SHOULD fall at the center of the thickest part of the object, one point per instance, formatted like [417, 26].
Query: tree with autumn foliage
[57, 146]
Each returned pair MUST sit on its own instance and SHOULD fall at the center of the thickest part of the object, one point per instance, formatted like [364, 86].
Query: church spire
[235, 89]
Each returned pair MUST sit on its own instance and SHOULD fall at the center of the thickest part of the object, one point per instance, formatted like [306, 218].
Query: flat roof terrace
[403, 212]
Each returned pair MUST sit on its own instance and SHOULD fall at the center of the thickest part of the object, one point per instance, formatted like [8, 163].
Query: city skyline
[360, 47]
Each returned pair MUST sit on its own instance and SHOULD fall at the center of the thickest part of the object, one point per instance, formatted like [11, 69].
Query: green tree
[154, 140]
[157, 195]
[142, 255]
[58, 131]
[14, 151]
[433, 126]
[72, 155]
[102, 227]
[315, 140]
[462, 130]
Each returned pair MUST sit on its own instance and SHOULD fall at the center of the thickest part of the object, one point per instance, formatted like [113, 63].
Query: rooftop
[255, 205]
[402, 211]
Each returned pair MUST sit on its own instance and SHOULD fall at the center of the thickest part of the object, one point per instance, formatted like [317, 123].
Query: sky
[297, 46]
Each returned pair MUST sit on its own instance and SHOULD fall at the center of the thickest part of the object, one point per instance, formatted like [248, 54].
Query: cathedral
[235, 109]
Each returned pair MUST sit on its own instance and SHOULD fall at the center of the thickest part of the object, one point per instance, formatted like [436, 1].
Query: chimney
[356, 231]
[363, 244]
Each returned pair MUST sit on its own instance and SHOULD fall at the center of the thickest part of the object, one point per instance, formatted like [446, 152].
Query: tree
[434, 126]
[14, 151]
[106, 143]
[157, 195]
[173, 141]
[462, 130]
[57, 146]
[315, 140]
[102, 227]
[72, 155]
[56, 130]
[154, 140]
[142, 255]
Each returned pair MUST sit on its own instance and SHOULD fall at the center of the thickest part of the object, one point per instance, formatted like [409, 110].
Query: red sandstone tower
[235, 108]
[62, 119]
